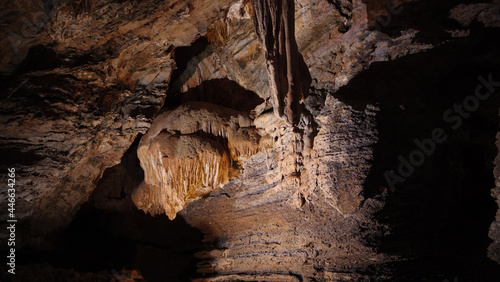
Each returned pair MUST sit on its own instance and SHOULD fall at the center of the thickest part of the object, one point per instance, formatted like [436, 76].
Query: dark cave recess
[441, 213]
[109, 235]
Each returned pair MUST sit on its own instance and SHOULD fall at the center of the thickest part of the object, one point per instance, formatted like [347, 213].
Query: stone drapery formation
[77, 91]
[189, 152]
[288, 75]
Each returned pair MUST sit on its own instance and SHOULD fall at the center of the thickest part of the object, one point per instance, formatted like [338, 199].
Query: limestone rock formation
[77, 90]
[289, 77]
[97, 97]
[189, 152]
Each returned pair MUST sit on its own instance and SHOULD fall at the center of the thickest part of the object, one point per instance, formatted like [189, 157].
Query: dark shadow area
[186, 60]
[104, 241]
[109, 235]
[39, 57]
[223, 92]
[440, 212]
[13, 155]
[430, 18]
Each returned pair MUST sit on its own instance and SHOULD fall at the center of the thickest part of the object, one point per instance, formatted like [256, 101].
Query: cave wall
[79, 86]
[84, 86]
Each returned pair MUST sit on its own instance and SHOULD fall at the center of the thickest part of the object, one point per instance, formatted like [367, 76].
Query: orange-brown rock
[189, 152]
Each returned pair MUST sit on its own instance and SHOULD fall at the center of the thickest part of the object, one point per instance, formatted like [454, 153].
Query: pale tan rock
[189, 152]
[178, 168]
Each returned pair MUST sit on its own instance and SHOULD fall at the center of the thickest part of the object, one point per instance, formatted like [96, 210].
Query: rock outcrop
[189, 152]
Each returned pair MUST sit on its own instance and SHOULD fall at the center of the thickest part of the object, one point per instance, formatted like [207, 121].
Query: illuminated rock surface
[189, 152]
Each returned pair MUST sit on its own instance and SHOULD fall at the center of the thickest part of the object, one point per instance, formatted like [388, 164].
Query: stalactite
[289, 77]
[218, 34]
[188, 152]
[82, 7]
[178, 168]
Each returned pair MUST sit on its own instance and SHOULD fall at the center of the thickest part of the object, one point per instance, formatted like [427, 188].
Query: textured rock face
[189, 152]
[65, 137]
[81, 84]
[78, 89]
[299, 227]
